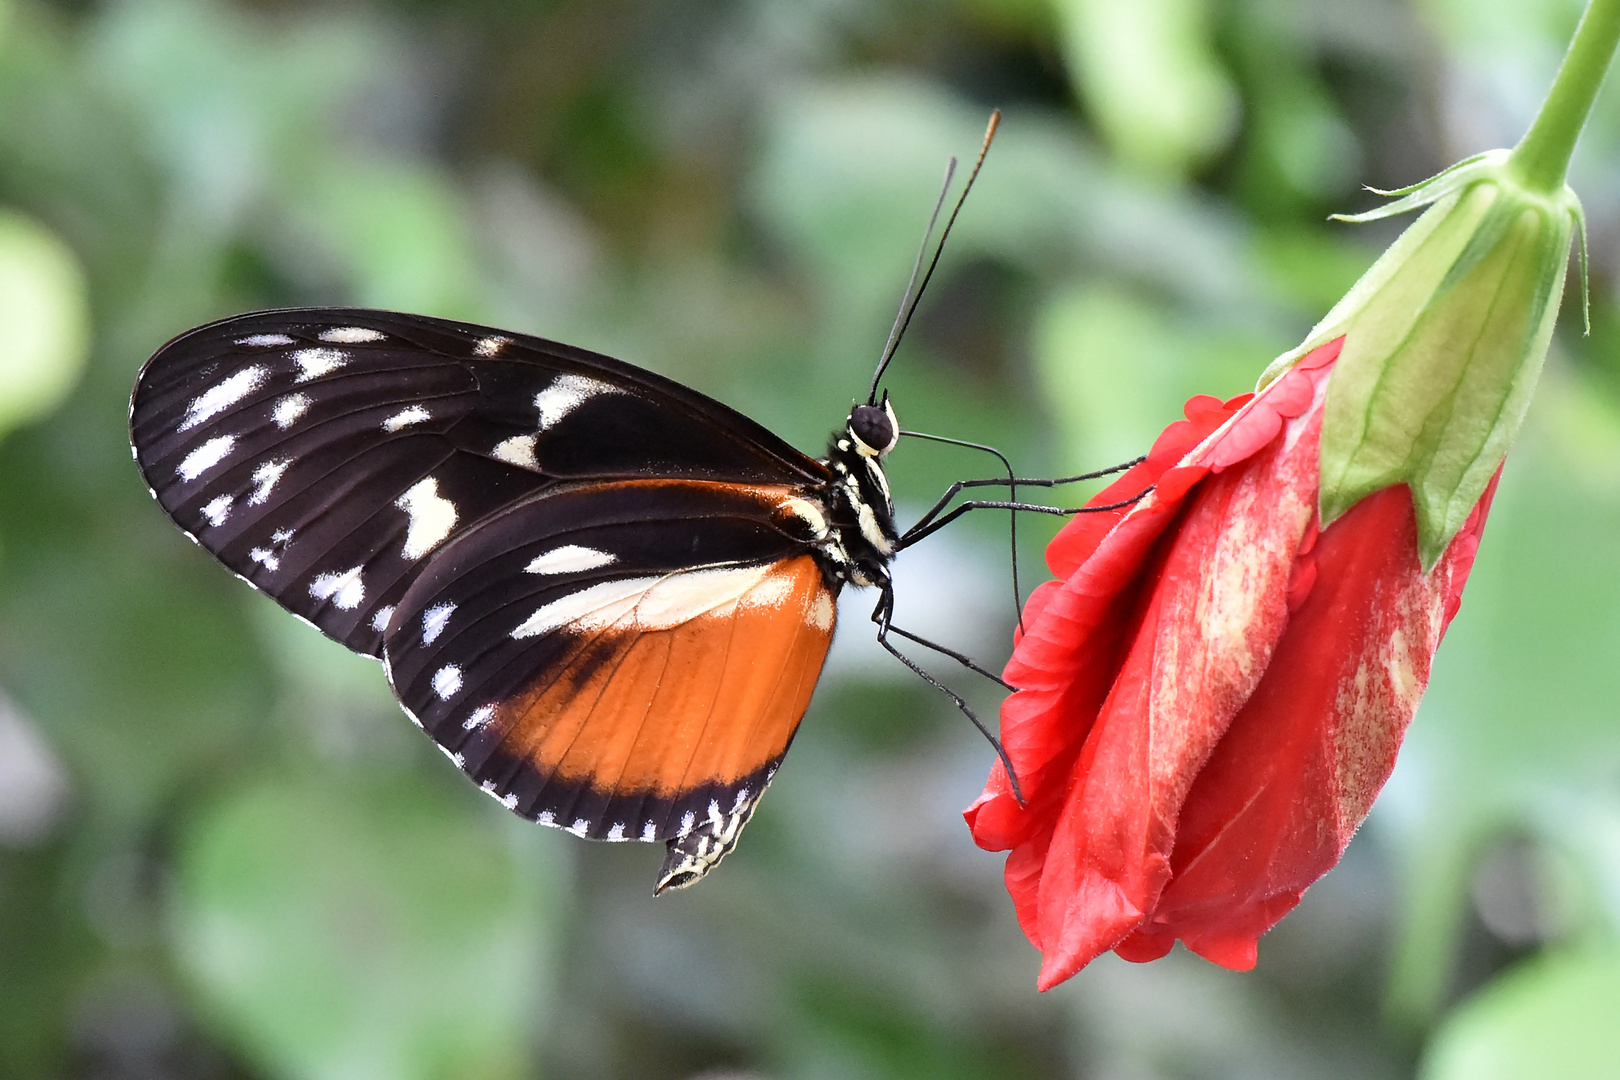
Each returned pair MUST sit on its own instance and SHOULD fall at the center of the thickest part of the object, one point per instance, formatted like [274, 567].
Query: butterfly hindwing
[626, 660]
[324, 455]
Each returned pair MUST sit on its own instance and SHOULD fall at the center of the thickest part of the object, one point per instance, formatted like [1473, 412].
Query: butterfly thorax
[862, 538]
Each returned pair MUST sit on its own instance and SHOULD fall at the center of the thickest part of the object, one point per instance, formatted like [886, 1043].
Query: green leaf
[378, 930]
[1551, 1016]
[45, 309]
[1149, 74]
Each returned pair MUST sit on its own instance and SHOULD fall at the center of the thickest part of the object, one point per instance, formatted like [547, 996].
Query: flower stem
[1542, 157]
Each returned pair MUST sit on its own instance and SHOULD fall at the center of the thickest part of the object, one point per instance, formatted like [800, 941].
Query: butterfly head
[873, 430]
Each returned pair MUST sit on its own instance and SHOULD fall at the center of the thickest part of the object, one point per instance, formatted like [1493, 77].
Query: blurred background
[224, 853]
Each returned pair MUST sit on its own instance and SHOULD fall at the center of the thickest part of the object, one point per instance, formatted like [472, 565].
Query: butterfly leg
[961, 658]
[1009, 481]
[882, 615]
[921, 531]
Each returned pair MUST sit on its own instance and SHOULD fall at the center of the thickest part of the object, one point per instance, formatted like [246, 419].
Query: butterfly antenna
[908, 304]
[916, 268]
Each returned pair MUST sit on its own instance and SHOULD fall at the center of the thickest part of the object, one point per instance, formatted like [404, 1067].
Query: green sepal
[1444, 338]
[1439, 365]
[1415, 196]
[1435, 189]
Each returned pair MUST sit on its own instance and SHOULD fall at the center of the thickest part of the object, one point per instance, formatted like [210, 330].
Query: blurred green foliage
[224, 852]
[43, 302]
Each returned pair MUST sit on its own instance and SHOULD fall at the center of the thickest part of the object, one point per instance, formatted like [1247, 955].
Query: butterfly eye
[873, 428]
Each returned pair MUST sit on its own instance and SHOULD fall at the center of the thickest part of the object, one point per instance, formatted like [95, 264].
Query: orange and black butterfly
[606, 596]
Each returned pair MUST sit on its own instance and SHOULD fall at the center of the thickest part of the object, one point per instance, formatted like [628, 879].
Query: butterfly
[605, 596]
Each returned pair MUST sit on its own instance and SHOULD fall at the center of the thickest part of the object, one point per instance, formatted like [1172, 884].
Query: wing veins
[580, 788]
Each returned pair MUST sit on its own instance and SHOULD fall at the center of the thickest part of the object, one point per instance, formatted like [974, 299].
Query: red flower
[1214, 692]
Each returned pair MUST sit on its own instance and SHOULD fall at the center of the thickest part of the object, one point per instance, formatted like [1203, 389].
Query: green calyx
[1444, 338]
[1437, 372]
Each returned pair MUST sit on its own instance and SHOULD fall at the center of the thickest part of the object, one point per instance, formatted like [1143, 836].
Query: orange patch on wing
[653, 701]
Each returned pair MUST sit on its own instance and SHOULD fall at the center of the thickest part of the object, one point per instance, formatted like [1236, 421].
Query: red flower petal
[1065, 659]
[1218, 606]
[1296, 773]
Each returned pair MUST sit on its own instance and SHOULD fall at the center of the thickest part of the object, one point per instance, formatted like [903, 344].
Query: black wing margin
[324, 454]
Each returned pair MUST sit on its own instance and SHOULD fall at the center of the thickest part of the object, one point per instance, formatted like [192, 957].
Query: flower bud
[1443, 340]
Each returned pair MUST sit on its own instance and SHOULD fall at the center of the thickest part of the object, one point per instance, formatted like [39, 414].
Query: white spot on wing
[313, 363]
[570, 559]
[617, 832]
[546, 818]
[288, 409]
[597, 606]
[649, 831]
[265, 558]
[821, 611]
[688, 820]
[343, 588]
[265, 478]
[491, 346]
[218, 509]
[222, 395]
[478, 717]
[205, 457]
[659, 603]
[281, 536]
[580, 827]
[565, 395]
[264, 341]
[350, 335]
[434, 620]
[773, 590]
[509, 800]
[380, 617]
[431, 517]
[518, 450]
[446, 681]
[412, 414]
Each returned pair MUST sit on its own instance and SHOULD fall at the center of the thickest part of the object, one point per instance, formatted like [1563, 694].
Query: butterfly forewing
[626, 660]
[325, 455]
